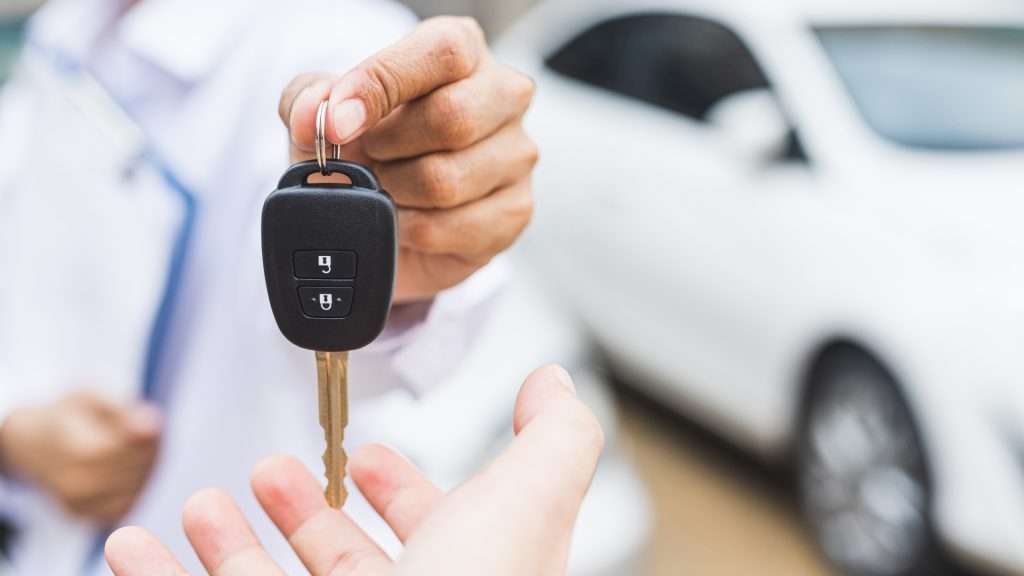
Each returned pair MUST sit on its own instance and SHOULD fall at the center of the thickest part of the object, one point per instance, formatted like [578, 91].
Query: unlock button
[325, 302]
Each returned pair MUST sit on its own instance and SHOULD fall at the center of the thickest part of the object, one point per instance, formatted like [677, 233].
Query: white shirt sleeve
[427, 349]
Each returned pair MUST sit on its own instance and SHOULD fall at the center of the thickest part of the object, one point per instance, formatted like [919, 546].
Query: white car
[801, 222]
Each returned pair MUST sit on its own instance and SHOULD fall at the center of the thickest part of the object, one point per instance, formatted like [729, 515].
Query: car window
[680, 63]
[952, 88]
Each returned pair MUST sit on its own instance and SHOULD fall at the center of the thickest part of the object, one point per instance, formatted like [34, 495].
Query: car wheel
[863, 479]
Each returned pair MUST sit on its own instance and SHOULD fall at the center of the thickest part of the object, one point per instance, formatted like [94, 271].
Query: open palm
[514, 517]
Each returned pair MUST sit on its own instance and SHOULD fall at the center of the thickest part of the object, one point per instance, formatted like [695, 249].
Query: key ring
[320, 140]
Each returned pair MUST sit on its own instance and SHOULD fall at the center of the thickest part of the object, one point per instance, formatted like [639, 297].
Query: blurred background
[787, 237]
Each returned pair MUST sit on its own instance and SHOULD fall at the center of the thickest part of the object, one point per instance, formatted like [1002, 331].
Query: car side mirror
[752, 124]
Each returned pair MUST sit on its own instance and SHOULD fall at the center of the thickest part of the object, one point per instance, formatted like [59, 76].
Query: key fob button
[326, 301]
[333, 264]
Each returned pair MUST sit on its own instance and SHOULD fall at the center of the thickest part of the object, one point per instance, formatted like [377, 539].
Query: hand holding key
[329, 262]
[489, 525]
[439, 121]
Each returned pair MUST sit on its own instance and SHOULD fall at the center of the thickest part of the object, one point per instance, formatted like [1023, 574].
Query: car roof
[552, 22]
[838, 12]
[816, 12]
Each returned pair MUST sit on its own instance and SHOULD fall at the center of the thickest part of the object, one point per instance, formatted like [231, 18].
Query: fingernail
[564, 378]
[349, 117]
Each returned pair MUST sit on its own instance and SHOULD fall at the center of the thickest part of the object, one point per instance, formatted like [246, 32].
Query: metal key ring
[320, 140]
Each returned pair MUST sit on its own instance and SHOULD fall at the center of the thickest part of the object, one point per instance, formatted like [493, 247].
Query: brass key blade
[332, 384]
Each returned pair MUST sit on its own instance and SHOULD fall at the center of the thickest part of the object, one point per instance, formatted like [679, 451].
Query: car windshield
[954, 88]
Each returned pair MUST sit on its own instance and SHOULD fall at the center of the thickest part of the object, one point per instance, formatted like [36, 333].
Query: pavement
[718, 512]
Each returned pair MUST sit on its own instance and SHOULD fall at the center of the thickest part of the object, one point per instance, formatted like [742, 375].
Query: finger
[142, 422]
[527, 500]
[394, 487]
[424, 275]
[291, 92]
[133, 551]
[222, 538]
[301, 119]
[452, 117]
[475, 231]
[139, 420]
[440, 51]
[326, 540]
[548, 467]
[95, 404]
[448, 179]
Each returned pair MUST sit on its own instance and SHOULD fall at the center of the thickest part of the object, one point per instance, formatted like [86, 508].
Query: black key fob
[329, 253]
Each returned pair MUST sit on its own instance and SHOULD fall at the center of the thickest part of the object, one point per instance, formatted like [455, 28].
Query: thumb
[518, 513]
[93, 405]
[543, 387]
[558, 444]
[438, 52]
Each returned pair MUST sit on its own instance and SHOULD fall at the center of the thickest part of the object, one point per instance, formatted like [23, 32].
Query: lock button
[326, 301]
[332, 264]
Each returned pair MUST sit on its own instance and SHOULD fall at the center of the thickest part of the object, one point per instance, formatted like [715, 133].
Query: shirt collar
[185, 38]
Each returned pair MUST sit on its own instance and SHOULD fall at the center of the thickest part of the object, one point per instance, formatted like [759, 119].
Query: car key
[329, 254]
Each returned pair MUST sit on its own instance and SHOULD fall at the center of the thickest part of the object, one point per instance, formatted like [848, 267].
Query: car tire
[863, 478]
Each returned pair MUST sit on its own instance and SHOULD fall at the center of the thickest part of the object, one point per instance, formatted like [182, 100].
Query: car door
[656, 229]
[615, 155]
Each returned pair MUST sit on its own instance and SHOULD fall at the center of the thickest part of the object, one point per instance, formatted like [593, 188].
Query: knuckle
[526, 207]
[522, 89]
[521, 210]
[440, 181]
[352, 561]
[518, 216]
[459, 45]
[424, 234]
[383, 86]
[532, 153]
[452, 118]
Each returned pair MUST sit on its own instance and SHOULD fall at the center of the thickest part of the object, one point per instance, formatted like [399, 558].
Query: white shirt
[88, 233]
